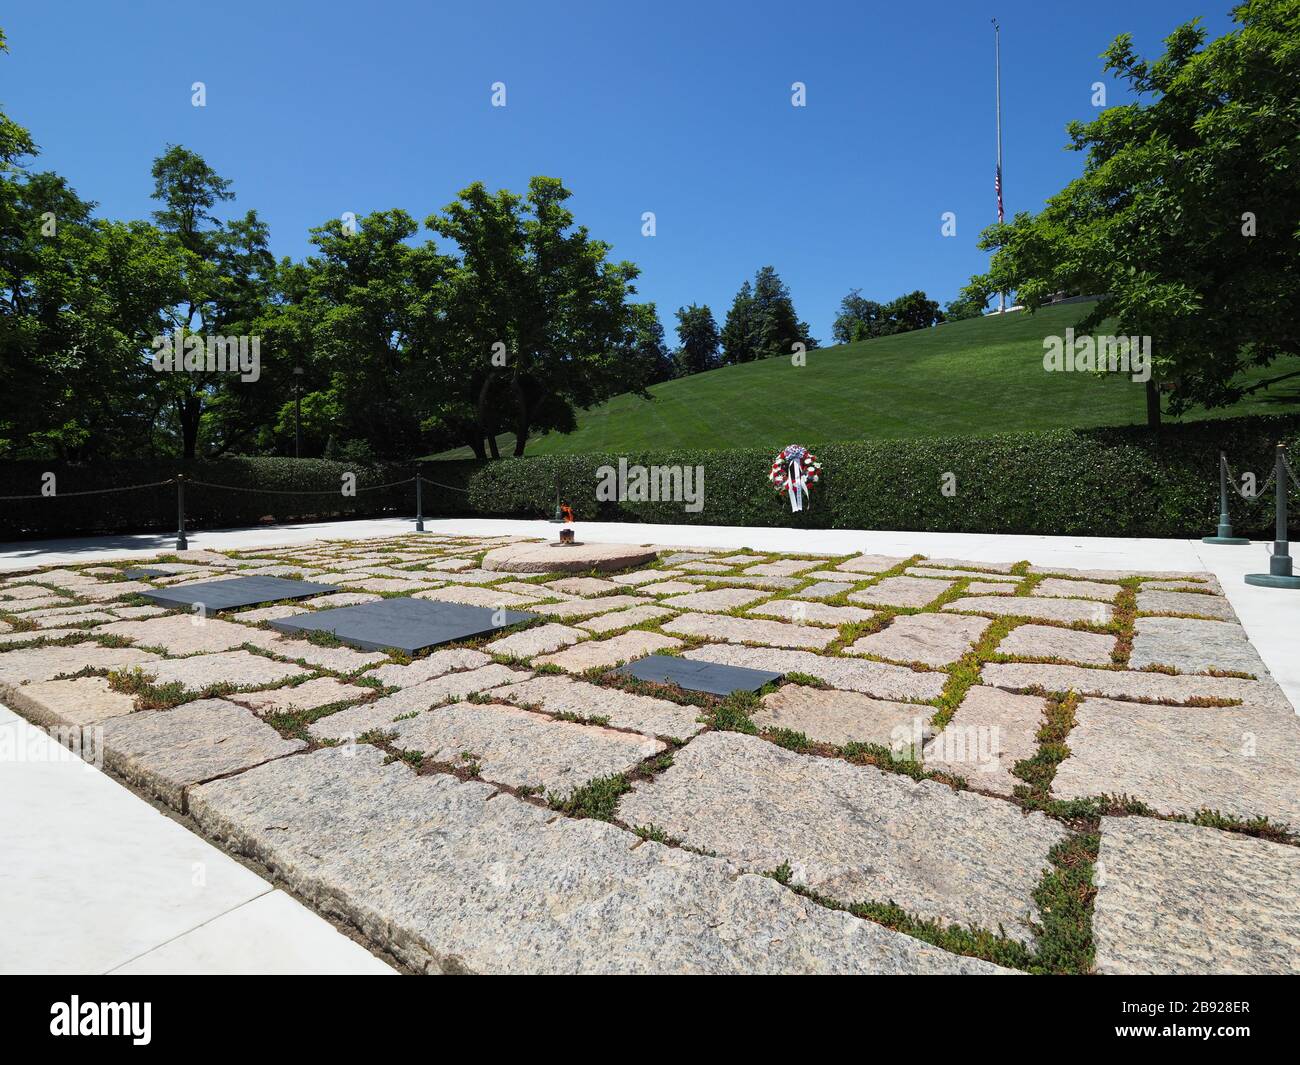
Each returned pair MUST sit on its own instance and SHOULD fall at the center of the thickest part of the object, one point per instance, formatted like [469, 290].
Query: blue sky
[683, 109]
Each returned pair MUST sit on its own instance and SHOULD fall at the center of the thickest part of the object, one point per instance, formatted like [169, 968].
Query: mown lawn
[974, 377]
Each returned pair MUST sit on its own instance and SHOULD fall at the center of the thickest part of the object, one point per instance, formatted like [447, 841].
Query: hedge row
[1089, 482]
[1084, 482]
[145, 509]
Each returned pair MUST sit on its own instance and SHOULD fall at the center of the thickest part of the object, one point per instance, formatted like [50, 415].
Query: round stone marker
[567, 558]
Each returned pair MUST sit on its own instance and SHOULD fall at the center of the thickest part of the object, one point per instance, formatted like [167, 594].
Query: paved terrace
[972, 765]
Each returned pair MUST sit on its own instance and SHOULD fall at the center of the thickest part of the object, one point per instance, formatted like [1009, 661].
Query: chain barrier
[91, 491]
[439, 484]
[302, 492]
[1260, 491]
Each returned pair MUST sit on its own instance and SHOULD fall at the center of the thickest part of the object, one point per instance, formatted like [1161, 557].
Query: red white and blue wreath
[794, 472]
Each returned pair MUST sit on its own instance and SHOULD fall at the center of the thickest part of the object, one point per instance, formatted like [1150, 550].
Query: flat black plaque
[709, 677]
[236, 591]
[403, 624]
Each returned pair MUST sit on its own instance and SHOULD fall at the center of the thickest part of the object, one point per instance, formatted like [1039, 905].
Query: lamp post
[297, 412]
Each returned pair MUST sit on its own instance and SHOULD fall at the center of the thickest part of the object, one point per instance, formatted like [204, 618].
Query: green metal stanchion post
[419, 501]
[1224, 535]
[182, 544]
[1279, 573]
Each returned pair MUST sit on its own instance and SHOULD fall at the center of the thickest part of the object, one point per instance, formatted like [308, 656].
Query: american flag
[997, 187]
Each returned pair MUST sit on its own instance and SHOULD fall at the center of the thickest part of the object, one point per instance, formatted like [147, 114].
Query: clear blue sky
[681, 108]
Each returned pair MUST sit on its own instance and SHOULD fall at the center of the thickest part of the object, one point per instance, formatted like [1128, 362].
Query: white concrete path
[95, 880]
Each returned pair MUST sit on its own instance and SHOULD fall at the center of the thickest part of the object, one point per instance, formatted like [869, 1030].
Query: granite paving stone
[450, 882]
[28, 665]
[934, 639]
[1055, 588]
[433, 665]
[1181, 899]
[1180, 760]
[620, 619]
[164, 752]
[853, 833]
[643, 713]
[577, 608]
[1134, 684]
[539, 640]
[880, 679]
[744, 630]
[522, 749]
[225, 667]
[381, 714]
[84, 701]
[595, 654]
[718, 599]
[187, 634]
[582, 585]
[1190, 645]
[902, 591]
[990, 732]
[802, 613]
[309, 695]
[869, 564]
[785, 567]
[339, 659]
[990, 588]
[477, 595]
[822, 590]
[751, 580]
[1051, 641]
[826, 715]
[1042, 608]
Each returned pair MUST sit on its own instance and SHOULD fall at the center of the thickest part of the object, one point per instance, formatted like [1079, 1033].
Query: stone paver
[718, 599]
[621, 619]
[978, 567]
[822, 590]
[642, 576]
[595, 654]
[1179, 760]
[880, 679]
[991, 731]
[1040, 607]
[902, 591]
[166, 751]
[1134, 684]
[381, 714]
[266, 613]
[802, 613]
[477, 595]
[642, 713]
[785, 567]
[178, 634]
[669, 587]
[840, 717]
[450, 882]
[1190, 645]
[434, 665]
[1050, 641]
[329, 602]
[578, 608]
[751, 580]
[309, 695]
[582, 585]
[225, 667]
[990, 588]
[83, 701]
[1210, 606]
[522, 749]
[1175, 898]
[934, 639]
[340, 659]
[29, 664]
[743, 630]
[869, 564]
[1056, 588]
[539, 640]
[853, 833]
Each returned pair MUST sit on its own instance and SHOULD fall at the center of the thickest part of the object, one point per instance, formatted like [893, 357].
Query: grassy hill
[979, 376]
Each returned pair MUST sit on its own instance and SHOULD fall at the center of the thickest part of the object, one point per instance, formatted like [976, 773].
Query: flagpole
[997, 82]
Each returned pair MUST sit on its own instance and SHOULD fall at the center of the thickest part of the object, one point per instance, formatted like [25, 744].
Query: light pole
[297, 412]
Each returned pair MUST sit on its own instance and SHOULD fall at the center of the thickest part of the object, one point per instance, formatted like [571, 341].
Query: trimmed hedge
[1091, 482]
[155, 508]
[1081, 482]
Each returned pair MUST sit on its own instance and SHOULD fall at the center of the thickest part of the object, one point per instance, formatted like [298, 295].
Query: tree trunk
[1153, 405]
[492, 445]
[522, 416]
[190, 410]
[476, 442]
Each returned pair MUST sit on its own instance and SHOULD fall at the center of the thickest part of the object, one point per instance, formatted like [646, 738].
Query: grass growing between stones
[1065, 900]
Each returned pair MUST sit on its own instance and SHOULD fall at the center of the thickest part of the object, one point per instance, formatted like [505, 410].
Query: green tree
[915, 310]
[778, 327]
[538, 316]
[645, 345]
[1185, 216]
[698, 340]
[962, 308]
[859, 319]
[740, 332]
